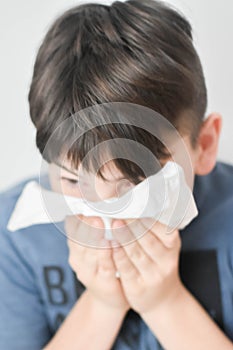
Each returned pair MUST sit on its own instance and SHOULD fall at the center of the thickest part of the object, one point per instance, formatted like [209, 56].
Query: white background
[22, 27]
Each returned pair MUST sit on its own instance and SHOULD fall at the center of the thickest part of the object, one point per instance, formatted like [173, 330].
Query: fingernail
[118, 223]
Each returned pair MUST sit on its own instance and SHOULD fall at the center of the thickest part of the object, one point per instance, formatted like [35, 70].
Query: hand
[148, 266]
[94, 267]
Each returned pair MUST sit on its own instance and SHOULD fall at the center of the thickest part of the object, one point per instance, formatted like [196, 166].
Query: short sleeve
[23, 323]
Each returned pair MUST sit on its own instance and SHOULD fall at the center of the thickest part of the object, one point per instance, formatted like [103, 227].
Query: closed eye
[72, 181]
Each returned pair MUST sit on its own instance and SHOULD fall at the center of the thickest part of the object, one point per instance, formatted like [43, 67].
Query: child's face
[91, 187]
[86, 184]
[79, 183]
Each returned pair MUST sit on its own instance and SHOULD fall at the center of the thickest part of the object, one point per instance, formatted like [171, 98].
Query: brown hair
[135, 51]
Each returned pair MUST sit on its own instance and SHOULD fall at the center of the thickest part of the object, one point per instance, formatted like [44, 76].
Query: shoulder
[213, 194]
[215, 189]
[11, 243]
[222, 176]
[9, 197]
[19, 284]
[23, 247]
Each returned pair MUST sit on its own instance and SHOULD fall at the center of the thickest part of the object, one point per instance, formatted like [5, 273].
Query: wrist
[174, 301]
[104, 308]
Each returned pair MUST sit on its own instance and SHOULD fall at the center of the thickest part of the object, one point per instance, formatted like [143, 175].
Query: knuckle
[105, 269]
[135, 254]
[150, 240]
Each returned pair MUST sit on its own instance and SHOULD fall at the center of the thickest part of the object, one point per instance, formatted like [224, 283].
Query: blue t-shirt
[38, 288]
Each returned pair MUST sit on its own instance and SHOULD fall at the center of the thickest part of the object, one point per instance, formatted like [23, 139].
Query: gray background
[22, 27]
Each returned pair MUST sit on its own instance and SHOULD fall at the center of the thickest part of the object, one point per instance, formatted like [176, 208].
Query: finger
[71, 222]
[153, 247]
[146, 239]
[127, 270]
[96, 232]
[76, 250]
[87, 264]
[76, 228]
[83, 256]
[105, 267]
[87, 231]
[71, 225]
[120, 232]
[170, 239]
[76, 254]
[135, 252]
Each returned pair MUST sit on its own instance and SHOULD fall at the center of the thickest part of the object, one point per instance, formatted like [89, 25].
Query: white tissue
[165, 196]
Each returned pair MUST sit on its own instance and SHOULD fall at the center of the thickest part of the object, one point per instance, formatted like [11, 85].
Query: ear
[208, 142]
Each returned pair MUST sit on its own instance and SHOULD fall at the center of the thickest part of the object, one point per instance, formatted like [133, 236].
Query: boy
[139, 52]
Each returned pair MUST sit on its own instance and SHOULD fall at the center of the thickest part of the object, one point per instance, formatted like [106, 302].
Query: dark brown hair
[135, 51]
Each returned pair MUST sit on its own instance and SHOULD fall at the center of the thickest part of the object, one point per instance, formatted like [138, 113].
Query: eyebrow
[63, 167]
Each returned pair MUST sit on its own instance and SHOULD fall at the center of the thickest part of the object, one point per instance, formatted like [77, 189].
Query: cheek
[104, 190]
[69, 189]
[53, 178]
[62, 186]
[101, 192]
